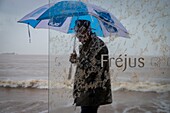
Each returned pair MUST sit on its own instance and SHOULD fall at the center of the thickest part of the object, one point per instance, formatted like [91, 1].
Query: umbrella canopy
[61, 16]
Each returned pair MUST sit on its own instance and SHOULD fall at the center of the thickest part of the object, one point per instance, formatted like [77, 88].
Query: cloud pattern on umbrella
[61, 16]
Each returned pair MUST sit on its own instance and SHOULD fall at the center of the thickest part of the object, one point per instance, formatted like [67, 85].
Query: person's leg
[89, 109]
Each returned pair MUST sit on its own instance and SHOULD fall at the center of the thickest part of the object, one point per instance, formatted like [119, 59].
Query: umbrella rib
[106, 22]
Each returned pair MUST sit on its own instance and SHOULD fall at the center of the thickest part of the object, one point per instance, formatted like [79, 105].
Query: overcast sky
[14, 36]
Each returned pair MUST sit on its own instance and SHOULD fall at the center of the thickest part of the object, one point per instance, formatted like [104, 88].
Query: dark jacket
[92, 85]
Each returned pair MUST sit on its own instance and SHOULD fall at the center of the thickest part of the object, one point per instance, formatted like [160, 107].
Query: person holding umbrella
[92, 84]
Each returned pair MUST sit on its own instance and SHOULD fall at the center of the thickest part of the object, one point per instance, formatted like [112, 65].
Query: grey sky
[13, 35]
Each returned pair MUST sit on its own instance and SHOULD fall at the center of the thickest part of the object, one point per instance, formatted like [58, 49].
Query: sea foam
[116, 86]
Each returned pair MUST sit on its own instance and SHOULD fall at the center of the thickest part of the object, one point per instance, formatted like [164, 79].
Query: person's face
[82, 37]
[82, 32]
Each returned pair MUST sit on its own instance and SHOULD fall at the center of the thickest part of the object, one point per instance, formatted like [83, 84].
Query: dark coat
[92, 85]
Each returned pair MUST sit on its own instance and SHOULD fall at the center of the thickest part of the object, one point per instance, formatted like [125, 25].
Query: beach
[124, 101]
[21, 100]
[26, 87]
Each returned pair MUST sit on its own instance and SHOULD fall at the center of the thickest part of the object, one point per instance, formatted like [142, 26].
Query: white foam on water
[162, 105]
[30, 107]
[126, 110]
[141, 86]
[43, 84]
[45, 111]
[40, 84]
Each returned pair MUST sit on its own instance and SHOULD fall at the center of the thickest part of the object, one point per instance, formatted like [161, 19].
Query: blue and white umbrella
[61, 16]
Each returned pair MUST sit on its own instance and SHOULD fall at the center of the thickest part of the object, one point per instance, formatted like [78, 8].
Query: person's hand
[73, 57]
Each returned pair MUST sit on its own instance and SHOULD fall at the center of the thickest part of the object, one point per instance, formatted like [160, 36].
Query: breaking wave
[141, 86]
[116, 86]
[40, 84]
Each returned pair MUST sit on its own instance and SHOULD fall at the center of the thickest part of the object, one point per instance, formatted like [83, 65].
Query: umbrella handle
[74, 51]
[29, 34]
[74, 45]
[70, 72]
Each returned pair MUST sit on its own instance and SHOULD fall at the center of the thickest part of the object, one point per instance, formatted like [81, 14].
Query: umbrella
[61, 16]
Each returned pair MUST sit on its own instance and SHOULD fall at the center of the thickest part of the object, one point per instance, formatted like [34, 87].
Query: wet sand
[20, 100]
[124, 101]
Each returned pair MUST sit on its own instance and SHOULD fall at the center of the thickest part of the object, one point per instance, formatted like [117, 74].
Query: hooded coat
[92, 84]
